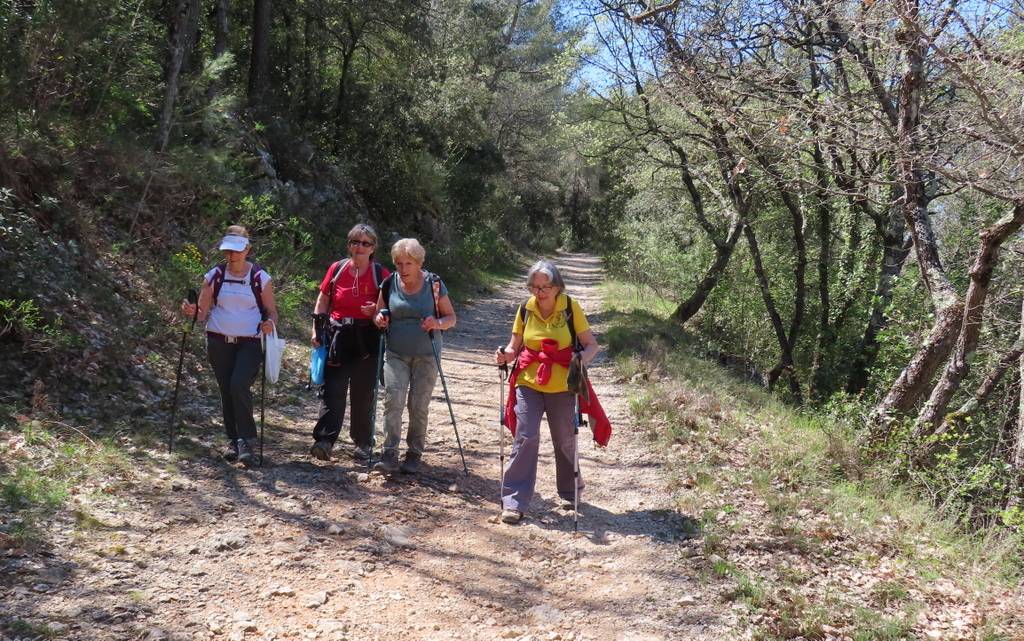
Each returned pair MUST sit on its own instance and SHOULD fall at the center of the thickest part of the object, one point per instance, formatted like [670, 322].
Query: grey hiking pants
[408, 381]
[521, 473]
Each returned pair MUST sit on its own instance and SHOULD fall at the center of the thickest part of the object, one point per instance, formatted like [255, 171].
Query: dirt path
[304, 550]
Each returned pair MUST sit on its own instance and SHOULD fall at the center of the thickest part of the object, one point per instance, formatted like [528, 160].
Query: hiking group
[377, 327]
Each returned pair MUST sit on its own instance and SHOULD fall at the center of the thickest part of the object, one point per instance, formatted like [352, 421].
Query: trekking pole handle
[504, 366]
[193, 299]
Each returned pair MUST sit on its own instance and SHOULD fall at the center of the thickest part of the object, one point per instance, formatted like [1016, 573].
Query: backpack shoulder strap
[256, 283]
[435, 285]
[386, 289]
[571, 324]
[337, 270]
[522, 314]
[218, 280]
[378, 274]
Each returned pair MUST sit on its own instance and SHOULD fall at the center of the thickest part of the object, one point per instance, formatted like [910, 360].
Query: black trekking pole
[263, 385]
[451, 412]
[378, 379]
[193, 298]
[503, 375]
[577, 421]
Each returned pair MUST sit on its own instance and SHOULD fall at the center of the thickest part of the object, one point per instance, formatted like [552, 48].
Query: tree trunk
[341, 106]
[984, 391]
[1016, 458]
[289, 52]
[724, 245]
[821, 371]
[221, 31]
[259, 60]
[974, 310]
[221, 34]
[896, 249]
[723, 252]
[185, 13]
[786, 363]
[307, 68]
[193, 58]
[506, 42]
[916, 377]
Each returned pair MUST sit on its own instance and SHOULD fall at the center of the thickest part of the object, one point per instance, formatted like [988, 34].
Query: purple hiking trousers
[521, 473]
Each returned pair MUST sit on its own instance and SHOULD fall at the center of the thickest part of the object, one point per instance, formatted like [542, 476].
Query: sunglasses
[364, 243]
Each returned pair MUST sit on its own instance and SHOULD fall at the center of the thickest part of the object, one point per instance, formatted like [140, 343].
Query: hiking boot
[321, 450]
[362, 453]
[246, 450]
[511, 516]
[388, 463]
[411, 463]
[231, 453]
[565, 504]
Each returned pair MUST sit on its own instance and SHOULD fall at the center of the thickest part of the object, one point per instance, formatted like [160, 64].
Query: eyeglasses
[364, 243]
[542, 289]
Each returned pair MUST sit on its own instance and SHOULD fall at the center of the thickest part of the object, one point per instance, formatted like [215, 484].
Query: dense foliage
[829, 192]
[132, 133]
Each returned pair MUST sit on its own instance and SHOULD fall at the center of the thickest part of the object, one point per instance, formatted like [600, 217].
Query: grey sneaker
[321, 450]
[565, 504]
[362, 453]
[511, 516]
[246, 450]
[388, 463]
[411, 464]
[231, 453]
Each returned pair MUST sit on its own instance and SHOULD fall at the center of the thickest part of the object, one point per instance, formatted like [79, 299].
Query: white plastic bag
[273, 350]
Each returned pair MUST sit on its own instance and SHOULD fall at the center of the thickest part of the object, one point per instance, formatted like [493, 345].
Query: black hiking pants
[352, 377]
[236, 366]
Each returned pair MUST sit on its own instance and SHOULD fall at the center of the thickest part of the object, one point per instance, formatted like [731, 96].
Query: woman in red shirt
[348, 298]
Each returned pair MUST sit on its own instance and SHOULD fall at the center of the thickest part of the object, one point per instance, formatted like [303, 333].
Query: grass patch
[888, 593]
[812, 482]
[29, 630]
[44, 464]
[869, 625]
[797, 618]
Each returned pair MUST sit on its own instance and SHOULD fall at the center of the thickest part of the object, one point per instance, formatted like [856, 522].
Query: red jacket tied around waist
[549, 355]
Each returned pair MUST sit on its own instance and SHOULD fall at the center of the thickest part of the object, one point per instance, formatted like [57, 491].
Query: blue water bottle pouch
[317, 361]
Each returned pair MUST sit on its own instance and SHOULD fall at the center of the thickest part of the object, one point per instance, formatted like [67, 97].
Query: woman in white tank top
[237, 303]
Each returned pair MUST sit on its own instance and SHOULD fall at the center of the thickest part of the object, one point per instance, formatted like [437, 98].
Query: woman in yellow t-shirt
[541, 346]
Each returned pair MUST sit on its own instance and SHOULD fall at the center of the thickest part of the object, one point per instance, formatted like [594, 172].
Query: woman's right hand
[188, 309]
[502, 355]
[314, 339]
[381, 320]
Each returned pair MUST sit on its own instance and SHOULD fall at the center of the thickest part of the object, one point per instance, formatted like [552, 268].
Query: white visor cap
[234, 243]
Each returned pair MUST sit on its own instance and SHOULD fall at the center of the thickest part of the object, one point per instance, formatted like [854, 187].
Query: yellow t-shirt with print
[553, 327]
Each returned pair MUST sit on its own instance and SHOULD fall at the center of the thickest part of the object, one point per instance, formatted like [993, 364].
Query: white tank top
[236, 312]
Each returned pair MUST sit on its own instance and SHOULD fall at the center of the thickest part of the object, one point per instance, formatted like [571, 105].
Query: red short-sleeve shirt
[351, 292]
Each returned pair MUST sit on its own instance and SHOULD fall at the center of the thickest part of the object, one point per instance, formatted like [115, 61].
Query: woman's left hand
[430, 324]
[369, 310]
[267, 326]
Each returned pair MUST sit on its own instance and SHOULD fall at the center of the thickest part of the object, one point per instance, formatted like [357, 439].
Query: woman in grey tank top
[417, 311]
